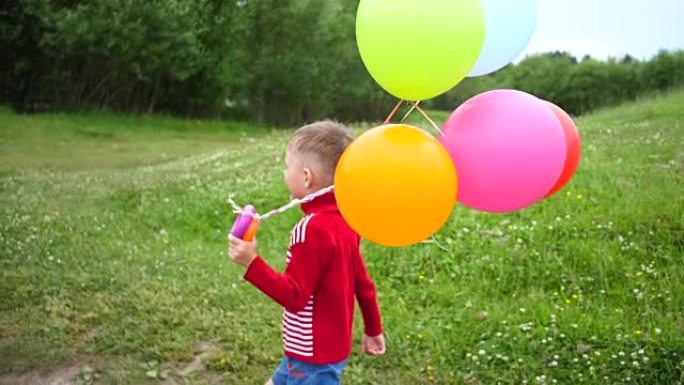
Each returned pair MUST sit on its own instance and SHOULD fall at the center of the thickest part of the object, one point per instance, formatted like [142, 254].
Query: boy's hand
[241, 252]
[375, 346]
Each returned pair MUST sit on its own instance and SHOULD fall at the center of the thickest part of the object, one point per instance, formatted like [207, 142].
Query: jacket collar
[325, 202]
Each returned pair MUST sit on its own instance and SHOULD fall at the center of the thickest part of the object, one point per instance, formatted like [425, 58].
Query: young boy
[324, 272]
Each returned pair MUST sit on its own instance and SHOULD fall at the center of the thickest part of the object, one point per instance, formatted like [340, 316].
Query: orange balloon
[572, 157]
[395, 185]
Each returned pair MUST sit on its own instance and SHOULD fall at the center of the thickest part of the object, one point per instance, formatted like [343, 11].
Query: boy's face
[297, 177]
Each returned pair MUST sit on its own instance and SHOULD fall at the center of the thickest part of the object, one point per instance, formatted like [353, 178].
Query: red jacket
[325, 270]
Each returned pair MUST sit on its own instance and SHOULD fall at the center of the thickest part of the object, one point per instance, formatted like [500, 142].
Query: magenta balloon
[508, 148]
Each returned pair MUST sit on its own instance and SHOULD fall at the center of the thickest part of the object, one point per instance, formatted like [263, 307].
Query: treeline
[281, 62]
[578, 86]
[273, 61]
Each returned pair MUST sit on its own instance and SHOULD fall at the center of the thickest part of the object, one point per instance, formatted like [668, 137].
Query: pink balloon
[508, 148]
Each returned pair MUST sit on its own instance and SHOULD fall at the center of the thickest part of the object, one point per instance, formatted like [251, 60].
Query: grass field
[113, 266]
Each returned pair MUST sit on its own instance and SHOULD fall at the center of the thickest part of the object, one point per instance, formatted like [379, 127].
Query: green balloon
[418, 49]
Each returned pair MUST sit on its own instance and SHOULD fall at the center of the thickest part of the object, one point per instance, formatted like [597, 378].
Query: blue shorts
[293, 372]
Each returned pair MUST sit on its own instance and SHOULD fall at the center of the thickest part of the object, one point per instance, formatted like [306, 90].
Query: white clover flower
[526, 326]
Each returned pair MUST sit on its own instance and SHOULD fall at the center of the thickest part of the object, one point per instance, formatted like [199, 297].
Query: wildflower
[526, 326]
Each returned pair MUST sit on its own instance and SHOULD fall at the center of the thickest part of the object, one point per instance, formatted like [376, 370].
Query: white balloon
[509, 25]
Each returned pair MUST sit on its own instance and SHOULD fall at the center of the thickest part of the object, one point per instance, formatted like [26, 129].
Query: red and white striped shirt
[325, 272]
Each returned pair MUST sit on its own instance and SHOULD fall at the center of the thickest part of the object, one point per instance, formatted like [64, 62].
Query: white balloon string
[240, 210]
[434, 241]
[427, 117]
[413, 107]
[236, 209]
[296, 202]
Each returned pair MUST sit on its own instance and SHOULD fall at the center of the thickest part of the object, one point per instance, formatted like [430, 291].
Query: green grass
[112, 252]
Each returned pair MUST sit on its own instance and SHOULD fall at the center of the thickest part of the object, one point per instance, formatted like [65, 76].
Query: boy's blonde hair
[325, 140]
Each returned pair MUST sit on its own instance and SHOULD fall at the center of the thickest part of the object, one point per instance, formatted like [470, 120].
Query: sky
[608, 28]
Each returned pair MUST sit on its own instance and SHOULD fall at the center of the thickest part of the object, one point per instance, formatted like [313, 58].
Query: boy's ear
[308, 177]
